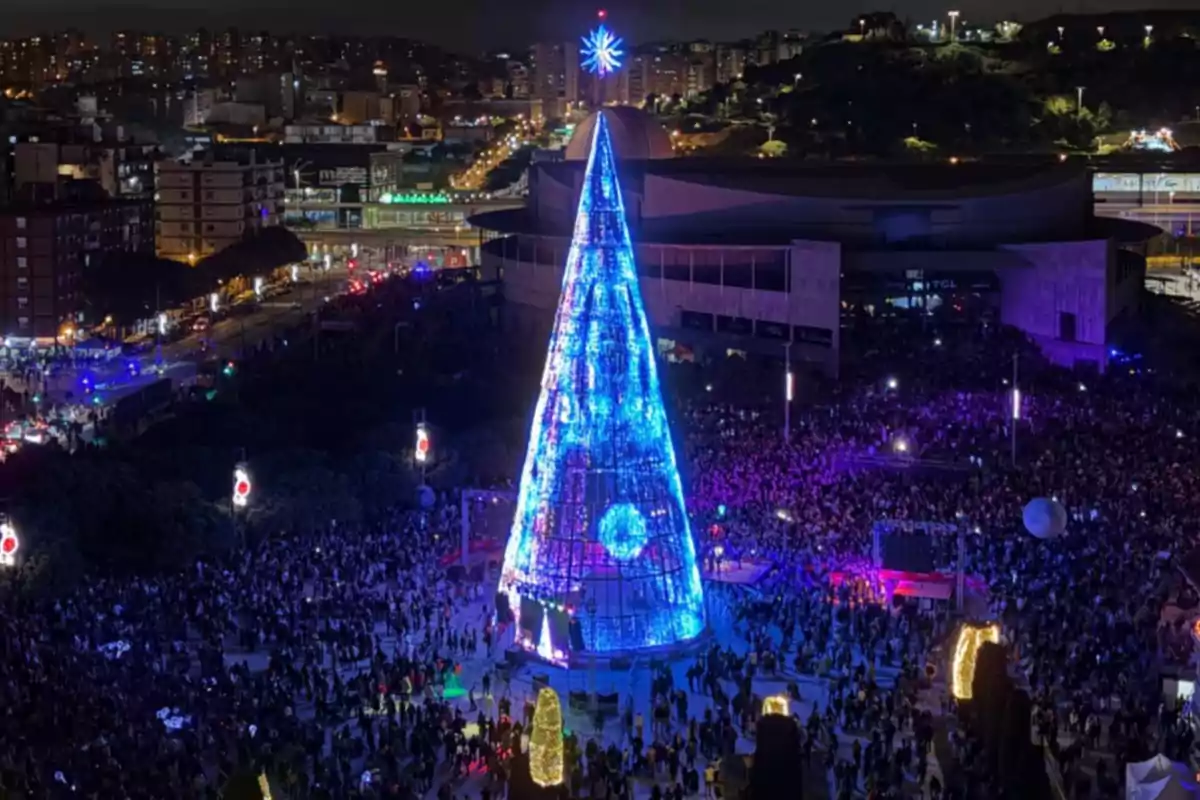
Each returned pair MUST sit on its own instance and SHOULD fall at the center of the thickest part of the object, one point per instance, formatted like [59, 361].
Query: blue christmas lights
[623, 531]
[602, 51]
[600, 525]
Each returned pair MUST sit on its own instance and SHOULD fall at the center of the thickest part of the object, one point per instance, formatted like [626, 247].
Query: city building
[764, 257]
[556, 75]
[45, 249]
[213, 200]
[42, 169]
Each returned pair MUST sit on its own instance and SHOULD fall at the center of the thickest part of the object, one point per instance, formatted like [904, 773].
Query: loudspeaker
[620, 662]
[578, 701]
[575, 635]
[504, 614]
[531, 616]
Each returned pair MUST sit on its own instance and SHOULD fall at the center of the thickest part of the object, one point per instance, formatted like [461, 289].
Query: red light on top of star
[602, 14]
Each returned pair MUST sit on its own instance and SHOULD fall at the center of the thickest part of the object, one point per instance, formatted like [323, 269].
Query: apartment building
[214, 200]
[46, 249]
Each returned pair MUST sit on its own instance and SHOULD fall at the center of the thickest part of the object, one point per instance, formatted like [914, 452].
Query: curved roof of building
[636, 136]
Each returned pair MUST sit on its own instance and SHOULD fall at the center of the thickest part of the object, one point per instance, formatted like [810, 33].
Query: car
[200, 325]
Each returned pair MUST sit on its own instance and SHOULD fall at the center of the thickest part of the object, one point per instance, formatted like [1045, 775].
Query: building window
[22, 262]
[22, 302]
[21, 242]
[22, 322]
[20, 223]
[22, 282]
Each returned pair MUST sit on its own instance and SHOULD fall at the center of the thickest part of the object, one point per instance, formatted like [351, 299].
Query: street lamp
[789, 391]
[9, 544]
[953, 15]
[1079, 100]
[241, 487]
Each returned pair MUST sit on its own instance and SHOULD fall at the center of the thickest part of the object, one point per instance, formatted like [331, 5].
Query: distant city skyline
[475, 25]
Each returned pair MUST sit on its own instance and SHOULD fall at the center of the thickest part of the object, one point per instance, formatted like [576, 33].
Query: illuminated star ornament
[602, 51]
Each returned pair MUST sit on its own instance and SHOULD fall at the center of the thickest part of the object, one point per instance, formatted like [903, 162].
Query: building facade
[764, 257]
[45, 251]
[215, 200]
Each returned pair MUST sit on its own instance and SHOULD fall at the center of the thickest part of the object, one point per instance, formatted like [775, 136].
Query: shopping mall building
[770, 256]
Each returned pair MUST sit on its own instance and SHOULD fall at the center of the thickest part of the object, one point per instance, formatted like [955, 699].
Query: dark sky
[469, 25]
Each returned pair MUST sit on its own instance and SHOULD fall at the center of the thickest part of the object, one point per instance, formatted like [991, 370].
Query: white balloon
[1044, 518]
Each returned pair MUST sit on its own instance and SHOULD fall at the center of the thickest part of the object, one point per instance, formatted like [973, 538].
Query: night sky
[467, 25]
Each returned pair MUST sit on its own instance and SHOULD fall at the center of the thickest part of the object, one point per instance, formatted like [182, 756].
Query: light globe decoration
[600, 527]
[546, 762]
[602, 51]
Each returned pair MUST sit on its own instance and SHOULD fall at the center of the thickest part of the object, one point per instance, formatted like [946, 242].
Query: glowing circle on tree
[1044, 518]
[623, 532]
[602, 51]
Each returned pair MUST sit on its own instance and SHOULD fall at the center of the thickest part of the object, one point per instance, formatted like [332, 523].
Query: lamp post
[1079, 101]
[789, 391]
[953, 15]
[1016, 412]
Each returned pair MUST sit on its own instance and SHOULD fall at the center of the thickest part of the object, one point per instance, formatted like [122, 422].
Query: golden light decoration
[546, 740]
[970, 639]
[777, 704]
[264, 786]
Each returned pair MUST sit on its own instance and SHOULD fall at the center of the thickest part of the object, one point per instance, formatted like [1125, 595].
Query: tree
[133, 286]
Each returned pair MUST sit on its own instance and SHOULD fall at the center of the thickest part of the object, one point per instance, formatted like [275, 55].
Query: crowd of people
[323, 659]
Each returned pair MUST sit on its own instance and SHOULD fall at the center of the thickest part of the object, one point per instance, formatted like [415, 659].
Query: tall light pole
[1016, 412]
[1079, 101]
[789, 391]
[953, 15]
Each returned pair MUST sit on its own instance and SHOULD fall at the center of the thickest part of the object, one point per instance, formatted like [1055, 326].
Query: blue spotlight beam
[600, 526]
[602, 51]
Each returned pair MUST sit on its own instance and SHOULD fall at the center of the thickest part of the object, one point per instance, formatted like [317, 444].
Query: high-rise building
[731, 63]
[214, 200]
[556, 76]
[601, 558]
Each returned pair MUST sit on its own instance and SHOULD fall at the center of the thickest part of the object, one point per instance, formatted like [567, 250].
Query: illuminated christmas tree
[600, 527]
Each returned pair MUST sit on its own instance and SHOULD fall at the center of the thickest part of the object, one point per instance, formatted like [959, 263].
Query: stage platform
[743, 573]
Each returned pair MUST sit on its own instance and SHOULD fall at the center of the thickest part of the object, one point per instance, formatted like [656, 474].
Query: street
[178, 360]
